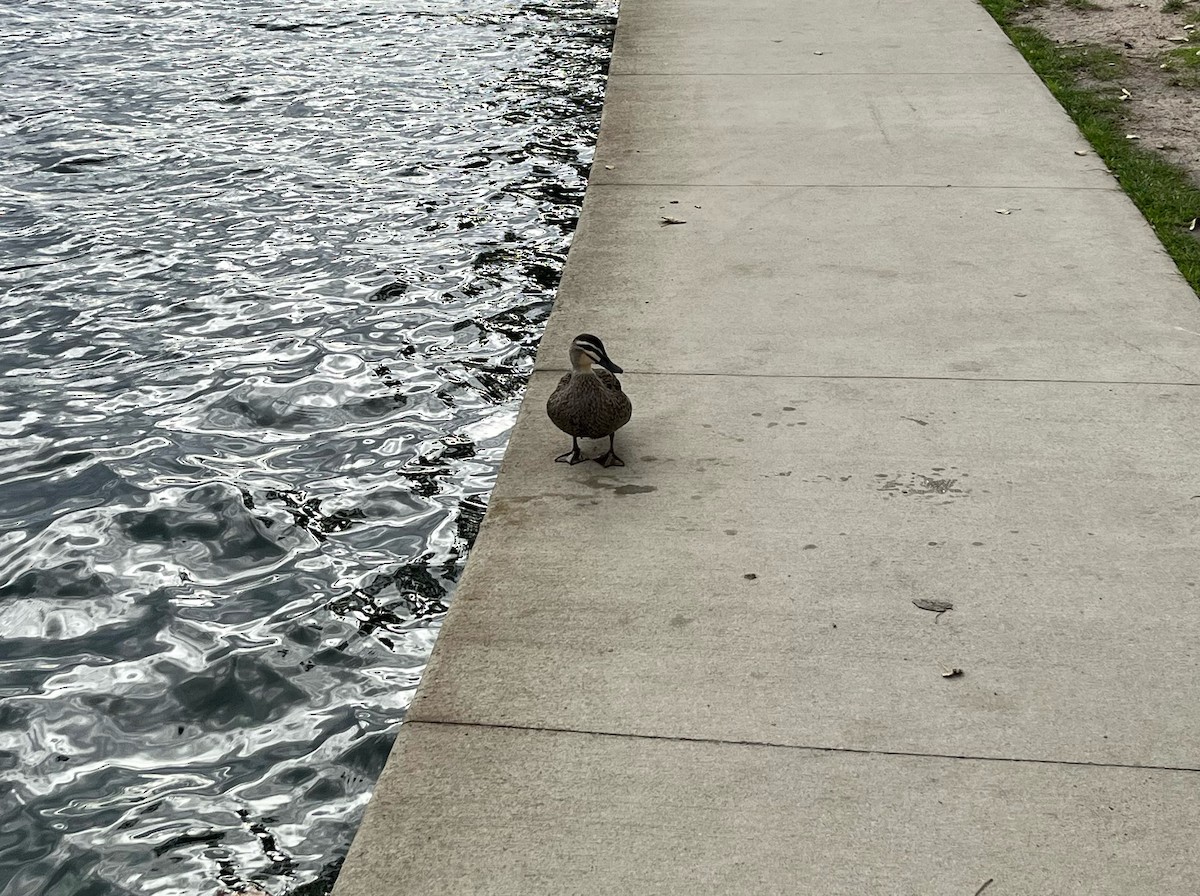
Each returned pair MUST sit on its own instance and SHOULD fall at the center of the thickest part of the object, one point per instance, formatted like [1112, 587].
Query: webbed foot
[572, 457]
[610, 459]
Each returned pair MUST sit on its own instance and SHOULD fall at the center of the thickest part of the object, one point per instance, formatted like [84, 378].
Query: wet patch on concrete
[921, 486]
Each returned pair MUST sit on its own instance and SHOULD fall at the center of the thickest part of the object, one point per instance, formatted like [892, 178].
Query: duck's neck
[581, 364]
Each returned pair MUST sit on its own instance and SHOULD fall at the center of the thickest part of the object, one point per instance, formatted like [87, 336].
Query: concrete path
[909, 344]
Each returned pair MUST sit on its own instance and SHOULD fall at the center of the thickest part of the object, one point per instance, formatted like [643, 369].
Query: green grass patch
[1183, 63]
[1084, 81]
[1082, 5]
[1182, 59]
[1174, 6]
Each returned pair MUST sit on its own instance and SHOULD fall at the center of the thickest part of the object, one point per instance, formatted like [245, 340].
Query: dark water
[271, 279]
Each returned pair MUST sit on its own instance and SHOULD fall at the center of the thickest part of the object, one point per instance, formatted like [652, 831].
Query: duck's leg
[609, 458]
[573, 456]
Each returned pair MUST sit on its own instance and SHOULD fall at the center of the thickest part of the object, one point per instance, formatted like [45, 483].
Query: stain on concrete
[731, 531]
[679, 621]
[919, 485]
[635, 489]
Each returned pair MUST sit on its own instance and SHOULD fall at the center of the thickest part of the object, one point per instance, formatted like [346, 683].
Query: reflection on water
[271, 278]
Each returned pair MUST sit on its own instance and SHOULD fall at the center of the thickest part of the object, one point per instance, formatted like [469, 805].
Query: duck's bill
[608, 364]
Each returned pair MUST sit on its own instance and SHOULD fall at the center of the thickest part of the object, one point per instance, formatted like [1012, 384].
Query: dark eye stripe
[590, 346]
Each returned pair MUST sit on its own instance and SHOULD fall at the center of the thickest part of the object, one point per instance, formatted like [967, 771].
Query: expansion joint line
[804, 748]
[870, 376]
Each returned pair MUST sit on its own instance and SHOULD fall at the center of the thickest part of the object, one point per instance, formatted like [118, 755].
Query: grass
[1084, 81]
[1184, 65]
[1174, 6]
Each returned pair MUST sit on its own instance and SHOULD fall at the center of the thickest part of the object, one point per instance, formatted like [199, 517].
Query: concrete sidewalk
[908, 345]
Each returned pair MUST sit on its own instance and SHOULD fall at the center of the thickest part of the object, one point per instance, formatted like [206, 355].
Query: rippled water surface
[271, 278]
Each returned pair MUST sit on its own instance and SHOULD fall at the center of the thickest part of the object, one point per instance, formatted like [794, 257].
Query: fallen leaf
[665, 221]
[1081, 152]
[1003, 211]
[933, 606]
[948, 672]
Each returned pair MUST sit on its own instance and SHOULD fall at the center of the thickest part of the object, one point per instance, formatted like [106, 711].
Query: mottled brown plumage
[588, 402]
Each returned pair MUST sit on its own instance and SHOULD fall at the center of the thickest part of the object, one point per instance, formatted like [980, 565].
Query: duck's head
[587, 350]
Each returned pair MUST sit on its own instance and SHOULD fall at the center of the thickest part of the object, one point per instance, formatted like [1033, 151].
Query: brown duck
[588, 402]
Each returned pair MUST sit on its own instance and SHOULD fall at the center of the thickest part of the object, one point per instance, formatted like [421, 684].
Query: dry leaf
[933, 606]
[948, 672]
[665, 221]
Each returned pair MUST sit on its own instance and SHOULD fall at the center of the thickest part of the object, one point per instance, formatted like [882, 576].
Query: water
[271, 279]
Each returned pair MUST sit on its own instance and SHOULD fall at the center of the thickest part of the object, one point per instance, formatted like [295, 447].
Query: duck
[588, 402]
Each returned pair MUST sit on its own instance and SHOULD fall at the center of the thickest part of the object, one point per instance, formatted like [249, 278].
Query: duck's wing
[607, 378]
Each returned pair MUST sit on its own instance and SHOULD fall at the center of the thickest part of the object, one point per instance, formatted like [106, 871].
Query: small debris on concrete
[750, 577]
[665, 221]
[933, 606]
[987, 883]
[949, 672]
[1004, 211]
[1132, 137]
[1081, 152]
